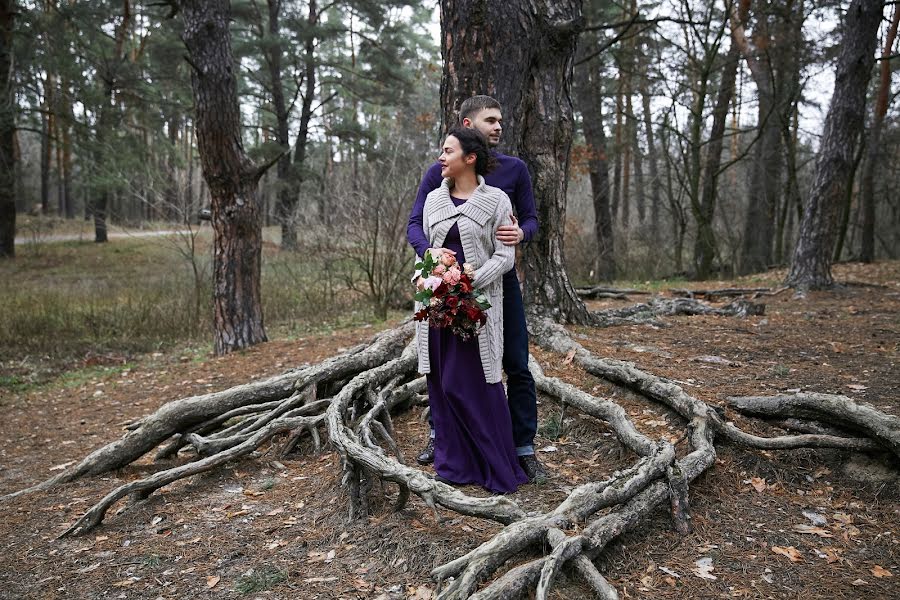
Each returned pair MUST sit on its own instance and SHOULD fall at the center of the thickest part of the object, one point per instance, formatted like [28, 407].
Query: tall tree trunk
[792, 201]
[526, 63]
[847, 205]
[705, 245]
[617, 153]
[652, 158]
[873, 153]
[638, 164]
[8, 12]
[230, 175]
[589, 98]
[766, 186]
[811, 264]
[46, 144]
[286, 203]
[309, 90]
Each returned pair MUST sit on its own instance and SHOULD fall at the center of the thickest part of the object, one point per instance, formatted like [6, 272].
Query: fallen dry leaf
[792, 553]
[809, 529]
[420, 593]
[319, 579]
[704, 568]
[879, 571]
[843, 518]
[570, 356]
[859, 582]
[831, 554]
[759, 484]
[212, 580]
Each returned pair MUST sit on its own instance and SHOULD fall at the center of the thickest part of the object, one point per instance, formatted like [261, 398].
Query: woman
[473, 431]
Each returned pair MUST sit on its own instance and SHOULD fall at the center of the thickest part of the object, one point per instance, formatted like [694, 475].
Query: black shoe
[533, 469]
[426, 457]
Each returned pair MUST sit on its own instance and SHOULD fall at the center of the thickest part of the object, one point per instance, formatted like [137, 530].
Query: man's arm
[525, 224]
[524, 204]
[415, 231]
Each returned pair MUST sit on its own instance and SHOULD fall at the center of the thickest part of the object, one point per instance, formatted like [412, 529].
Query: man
[511, 175]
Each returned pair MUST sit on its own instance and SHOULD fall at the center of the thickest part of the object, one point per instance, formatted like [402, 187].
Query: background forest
[698, 124]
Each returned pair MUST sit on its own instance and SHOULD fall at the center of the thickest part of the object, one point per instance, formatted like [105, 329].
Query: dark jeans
[520, 390]
[519, 382]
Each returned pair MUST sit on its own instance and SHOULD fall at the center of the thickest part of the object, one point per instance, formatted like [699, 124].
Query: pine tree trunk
[588, 95]
[811, 264]
[526, 63]
[230, 175]
[7, 132]
[873, 148]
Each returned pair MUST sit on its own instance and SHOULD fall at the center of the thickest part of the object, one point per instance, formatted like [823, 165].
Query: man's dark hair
[474, 105]
[472, 141]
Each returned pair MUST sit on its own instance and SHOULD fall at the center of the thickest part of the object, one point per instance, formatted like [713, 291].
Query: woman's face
[453, 161]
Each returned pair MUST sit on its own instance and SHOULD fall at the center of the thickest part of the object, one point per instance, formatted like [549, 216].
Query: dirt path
[274, 527]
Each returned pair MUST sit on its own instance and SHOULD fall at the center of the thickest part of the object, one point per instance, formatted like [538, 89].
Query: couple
[465, 207]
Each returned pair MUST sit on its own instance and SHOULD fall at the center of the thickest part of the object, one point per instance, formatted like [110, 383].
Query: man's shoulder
[509, 162]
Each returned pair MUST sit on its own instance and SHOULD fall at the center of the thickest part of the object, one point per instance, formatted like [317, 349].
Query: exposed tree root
[727, 292]
[352, 397]
[668, 307]
[181, 416]
[608, 292]
[881, 427]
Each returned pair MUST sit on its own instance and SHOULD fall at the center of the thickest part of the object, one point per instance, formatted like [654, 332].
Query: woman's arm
[504, 257]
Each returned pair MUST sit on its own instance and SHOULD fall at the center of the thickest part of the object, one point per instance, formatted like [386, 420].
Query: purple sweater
[510, 175]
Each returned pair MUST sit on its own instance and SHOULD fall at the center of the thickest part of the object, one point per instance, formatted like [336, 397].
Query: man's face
[488, 121]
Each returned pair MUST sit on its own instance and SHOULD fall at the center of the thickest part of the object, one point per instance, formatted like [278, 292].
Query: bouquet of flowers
[446, 290]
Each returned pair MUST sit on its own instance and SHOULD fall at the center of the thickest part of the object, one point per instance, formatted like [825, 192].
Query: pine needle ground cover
[779, 524]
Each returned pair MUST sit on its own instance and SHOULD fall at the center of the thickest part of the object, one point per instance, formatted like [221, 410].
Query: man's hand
[436, 252]
[511, 235]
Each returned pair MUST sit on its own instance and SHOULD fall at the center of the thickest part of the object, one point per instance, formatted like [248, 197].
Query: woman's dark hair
[473, 141]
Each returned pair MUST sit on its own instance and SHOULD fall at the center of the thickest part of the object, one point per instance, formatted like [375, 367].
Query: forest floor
[269, 527]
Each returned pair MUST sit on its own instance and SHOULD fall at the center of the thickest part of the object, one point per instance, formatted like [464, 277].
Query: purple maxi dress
[473, 440]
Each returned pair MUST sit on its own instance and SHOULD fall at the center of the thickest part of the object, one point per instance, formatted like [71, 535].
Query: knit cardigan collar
[479, 207]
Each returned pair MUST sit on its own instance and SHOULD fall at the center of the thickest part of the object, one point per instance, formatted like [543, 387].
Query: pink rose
[439, 270]
[451, 277]
[432, 283]
[447, 259]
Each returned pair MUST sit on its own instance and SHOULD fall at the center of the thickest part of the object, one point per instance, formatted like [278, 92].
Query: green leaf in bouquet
[423, 296]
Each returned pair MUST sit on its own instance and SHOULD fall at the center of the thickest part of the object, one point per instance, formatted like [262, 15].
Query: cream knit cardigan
[478, 219]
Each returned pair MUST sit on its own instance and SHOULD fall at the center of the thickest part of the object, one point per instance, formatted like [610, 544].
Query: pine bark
[230, 175]
[7, 132]
[812, 258]
[526, 64]
[873, 146]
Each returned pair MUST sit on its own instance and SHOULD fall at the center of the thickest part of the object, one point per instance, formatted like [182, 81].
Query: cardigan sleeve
[504, 257]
